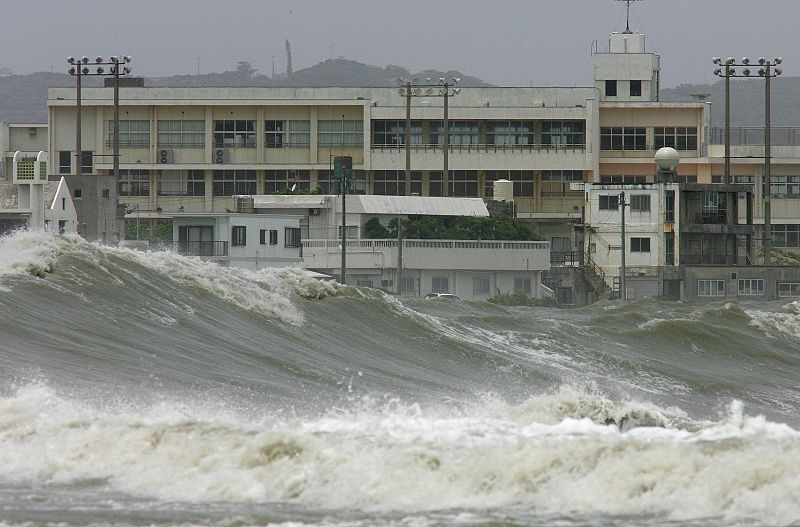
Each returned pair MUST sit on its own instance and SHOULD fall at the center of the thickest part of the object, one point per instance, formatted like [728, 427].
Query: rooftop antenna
[628, 14]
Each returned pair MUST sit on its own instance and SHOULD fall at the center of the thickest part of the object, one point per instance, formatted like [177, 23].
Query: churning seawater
[152, 389]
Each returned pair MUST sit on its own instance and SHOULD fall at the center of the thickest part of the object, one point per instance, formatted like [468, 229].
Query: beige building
[192, 149]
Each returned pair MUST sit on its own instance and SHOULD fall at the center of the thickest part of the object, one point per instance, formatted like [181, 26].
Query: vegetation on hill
[498, 227]
[23, 98]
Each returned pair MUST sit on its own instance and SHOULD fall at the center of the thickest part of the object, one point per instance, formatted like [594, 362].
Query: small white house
[246, 240]
[30, 200]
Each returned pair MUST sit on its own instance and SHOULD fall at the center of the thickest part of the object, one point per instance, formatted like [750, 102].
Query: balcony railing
[201, 248]
[378, 244]
[754, 135]
[484, 148]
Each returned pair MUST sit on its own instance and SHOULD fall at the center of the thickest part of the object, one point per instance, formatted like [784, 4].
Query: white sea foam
[787, 323]
[30, 252]
[404, 457]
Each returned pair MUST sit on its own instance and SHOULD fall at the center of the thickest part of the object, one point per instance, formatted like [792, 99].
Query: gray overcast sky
[507, 42]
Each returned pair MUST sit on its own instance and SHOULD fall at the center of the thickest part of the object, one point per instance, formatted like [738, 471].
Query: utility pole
[446, 143]
[767, 69]
[623, 293]
[408, 142]
[399, 256]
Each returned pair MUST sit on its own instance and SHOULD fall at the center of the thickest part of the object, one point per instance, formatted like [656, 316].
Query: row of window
[500, 133]
[633, 138]
[634, 88]
[241, 133]
[291, 236]
[481, 285]
[746, 287]
[385, 182]
[237, 133]
[638, 202]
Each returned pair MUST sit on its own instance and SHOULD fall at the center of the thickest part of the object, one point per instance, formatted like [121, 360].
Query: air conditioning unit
[243, 204]
[222, 155]
[313, 212]
[165, 157]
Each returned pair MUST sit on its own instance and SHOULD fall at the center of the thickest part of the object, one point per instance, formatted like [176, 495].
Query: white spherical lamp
[667, 159]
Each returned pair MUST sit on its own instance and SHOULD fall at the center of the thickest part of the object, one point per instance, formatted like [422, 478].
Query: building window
[435, 184]
[640, 245]
[238, 235]
[340, 133]
[611, 88]
[480, 285]
[234, 182]
[563, 133]
[636, 88]
[627, 180]
[182, 134]
[65, 162]
[788, 289]
[182, 183]
[556, 183]
[460, 132]
[609, 202]
[287, 134]
[393, 182]
[623, 138]
[504, 133]
[786, 235]
[408, 284]
[77, 193]
[393, 133]
[464, 183]
[440, 284]
[87, 160]
[273, 237]
[262, 236]
[677, 137]
[785, 187]
[686, 179]
[358, 184]
[522, 285]
[132, 134]
[291, 180]
[352, 232]
[640, 203]
[234, 134]
[523, 182]
[364, 283]
[710, 288]
[291, 237]
[751, 286]
[106, 193]
[134, 183]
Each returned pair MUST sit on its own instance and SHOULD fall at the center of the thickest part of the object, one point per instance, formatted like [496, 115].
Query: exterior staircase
[596, 278]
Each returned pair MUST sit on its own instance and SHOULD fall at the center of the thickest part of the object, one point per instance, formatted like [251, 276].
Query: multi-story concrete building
[192, 149]
[28, 138]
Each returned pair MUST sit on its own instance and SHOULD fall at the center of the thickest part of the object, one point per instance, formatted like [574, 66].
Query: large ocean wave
[172, 379]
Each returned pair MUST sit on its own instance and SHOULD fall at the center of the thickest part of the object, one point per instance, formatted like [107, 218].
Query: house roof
[418, 205]
[313, 201]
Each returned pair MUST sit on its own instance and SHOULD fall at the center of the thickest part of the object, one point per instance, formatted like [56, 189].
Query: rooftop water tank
[503, 190]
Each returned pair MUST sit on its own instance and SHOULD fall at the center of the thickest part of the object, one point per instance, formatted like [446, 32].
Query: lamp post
[116, 67]
[446, 89]
[766, 69]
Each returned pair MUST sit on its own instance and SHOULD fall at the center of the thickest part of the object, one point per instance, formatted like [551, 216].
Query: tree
[374, 229]
[245, 69]
[289, 69]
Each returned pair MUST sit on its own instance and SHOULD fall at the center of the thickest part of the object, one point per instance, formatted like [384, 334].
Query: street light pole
[767, 71]
[443, 89]
[623, 293]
